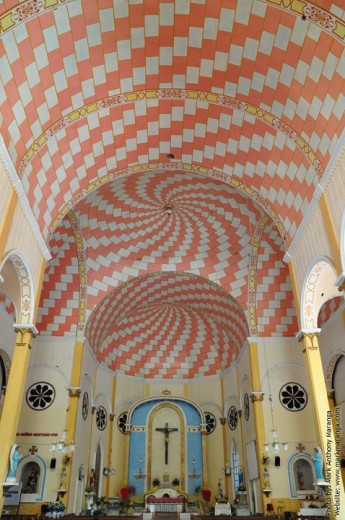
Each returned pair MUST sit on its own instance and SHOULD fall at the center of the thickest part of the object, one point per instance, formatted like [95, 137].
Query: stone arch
[25, 297]
[319, 286]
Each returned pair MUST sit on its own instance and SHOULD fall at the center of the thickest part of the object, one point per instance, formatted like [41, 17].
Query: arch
[25, 464]
[330, 369]
[318, 287]
[6, 363]
[25, 313]
[301, 475]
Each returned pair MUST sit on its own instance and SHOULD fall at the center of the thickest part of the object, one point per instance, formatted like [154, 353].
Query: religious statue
[318, 463]
[14, 460]
[300, 477]
[63, 481]
[266, 478]
[31, 484]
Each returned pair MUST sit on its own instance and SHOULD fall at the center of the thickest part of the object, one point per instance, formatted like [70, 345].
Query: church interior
[172, 258]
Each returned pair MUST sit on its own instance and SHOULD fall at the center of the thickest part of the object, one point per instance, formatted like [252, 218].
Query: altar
[165, 500]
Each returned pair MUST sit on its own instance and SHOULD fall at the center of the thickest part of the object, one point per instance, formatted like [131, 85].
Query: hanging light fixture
[62, 446]
[273, 443]
[194, 474]
[140, 475]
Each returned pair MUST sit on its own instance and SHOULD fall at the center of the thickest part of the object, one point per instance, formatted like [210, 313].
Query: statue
[31, 484]
[300, 477]
[318, 463]
[14, 460]
[63, 481]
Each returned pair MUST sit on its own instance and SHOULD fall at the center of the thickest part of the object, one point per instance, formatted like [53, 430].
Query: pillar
[110, 438]
[74, 393]
[328, 442]
[14, 396]
[257, 400]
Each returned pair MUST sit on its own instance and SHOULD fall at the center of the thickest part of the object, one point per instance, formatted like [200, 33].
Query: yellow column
[257, 399]
[335, 497]
[332, 236]
[225, 440]
[14, 396]
[110, 437]
[126, 468]
[74, 393]
[6, 221]
[204, 456]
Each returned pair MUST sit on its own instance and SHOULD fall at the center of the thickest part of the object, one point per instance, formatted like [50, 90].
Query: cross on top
[33, 450]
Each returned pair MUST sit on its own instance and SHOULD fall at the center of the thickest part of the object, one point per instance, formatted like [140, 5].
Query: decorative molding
[321, 187]
[167, 94]
[22, 198]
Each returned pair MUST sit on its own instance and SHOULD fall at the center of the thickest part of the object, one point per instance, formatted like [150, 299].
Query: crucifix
[166, 430]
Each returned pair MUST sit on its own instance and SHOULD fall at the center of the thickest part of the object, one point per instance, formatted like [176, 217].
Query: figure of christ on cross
[166, 430]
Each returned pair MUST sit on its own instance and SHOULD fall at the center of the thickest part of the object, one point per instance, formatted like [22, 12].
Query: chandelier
[194, 474]
[140, 475]
[62, 446]
[273, 443]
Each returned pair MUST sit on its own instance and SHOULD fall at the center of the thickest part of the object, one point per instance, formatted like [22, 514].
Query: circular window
[210, 422]
[40, 396]
[101, 418]
[121, 422]
[293, 397]
[246, 406]
[232, 418]
[85, 405]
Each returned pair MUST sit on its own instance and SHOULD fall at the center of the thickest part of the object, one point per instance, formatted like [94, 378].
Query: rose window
[85, 405]
[101, 418]
[40, 396]
[232, 417]
[210, 422]
[293, 397]
[246, 406]
[121, 422]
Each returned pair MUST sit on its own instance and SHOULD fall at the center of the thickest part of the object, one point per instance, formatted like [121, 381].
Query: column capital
[74, 391]
[257, 396]
[22, 327]
[307, 333]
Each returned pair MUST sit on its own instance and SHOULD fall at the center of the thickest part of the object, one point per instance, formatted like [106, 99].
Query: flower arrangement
[55, 509]
[156, 482]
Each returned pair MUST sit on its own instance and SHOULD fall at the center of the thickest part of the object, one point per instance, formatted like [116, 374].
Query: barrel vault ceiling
[169, 152]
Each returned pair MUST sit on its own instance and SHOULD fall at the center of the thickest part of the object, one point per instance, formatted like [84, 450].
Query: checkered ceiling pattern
[93, 98]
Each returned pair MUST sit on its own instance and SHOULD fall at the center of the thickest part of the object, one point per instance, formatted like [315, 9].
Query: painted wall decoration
[293, 397]
[40, 395]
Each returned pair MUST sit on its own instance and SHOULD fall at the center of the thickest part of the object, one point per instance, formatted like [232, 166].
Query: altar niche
[302, 475]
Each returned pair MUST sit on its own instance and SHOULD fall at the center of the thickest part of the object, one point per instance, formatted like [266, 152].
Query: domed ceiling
[170, 154]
